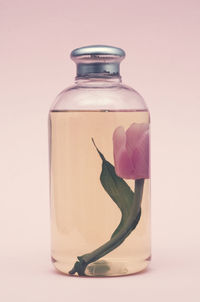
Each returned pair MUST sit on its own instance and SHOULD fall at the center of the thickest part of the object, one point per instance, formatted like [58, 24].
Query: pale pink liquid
[83, 216]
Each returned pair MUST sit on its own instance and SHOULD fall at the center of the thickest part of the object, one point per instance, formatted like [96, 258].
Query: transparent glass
[88, 197]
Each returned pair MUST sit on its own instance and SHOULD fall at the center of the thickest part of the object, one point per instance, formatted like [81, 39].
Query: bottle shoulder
[112, 97]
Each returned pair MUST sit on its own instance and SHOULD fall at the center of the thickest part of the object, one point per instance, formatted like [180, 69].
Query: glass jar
[99, 170]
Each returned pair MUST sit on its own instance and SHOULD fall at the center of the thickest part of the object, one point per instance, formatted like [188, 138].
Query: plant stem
[114, 242]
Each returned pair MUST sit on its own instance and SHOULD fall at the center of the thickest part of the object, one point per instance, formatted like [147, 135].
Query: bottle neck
[98, 70]
[97, 81]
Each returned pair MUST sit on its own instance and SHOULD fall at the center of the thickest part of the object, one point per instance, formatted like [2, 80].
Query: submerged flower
[131, 151]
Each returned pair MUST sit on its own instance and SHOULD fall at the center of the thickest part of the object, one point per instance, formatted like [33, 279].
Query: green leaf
[118, 190]
[129, 204]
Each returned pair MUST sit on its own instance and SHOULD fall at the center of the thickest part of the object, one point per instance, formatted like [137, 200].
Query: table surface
[29, 276]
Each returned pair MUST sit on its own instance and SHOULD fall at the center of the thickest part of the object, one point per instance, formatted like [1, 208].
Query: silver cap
[97, 60]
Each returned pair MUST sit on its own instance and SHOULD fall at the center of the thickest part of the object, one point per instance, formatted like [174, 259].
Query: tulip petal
[123, 164]
[134, 134]
[119, 139]
[140, 157]
[131, 151]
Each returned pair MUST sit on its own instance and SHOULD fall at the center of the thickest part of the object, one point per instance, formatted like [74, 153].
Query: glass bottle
[99, 170]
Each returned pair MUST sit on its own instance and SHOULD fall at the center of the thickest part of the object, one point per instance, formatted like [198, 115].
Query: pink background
[161, 39]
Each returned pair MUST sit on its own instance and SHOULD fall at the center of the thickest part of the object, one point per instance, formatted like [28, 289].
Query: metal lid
[98, 50]
[97, 60]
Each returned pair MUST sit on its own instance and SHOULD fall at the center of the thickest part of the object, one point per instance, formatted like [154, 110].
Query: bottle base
[106, 267]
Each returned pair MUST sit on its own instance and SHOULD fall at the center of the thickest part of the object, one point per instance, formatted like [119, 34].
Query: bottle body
[100, 208]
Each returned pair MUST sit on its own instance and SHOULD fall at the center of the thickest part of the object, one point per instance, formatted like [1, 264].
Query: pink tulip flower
[131, 151]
